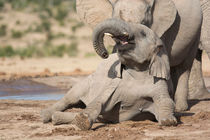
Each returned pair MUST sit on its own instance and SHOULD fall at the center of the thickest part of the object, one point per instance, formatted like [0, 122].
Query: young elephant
[128, 83]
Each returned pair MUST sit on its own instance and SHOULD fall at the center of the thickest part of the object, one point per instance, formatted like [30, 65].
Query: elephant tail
[205, 30]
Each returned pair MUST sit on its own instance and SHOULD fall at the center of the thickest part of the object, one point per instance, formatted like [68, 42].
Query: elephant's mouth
[123, 40]
[124, 43]
[117, 29]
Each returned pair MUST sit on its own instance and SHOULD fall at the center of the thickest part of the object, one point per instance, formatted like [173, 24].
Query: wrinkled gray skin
[197, 89]
[118, 90]
[181, 37]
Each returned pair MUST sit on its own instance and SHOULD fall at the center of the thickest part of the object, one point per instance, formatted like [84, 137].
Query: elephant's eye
[143, 34]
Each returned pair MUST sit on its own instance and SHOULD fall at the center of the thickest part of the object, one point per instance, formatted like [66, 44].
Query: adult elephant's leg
[70, 99]
[197, 88]
[180, 79]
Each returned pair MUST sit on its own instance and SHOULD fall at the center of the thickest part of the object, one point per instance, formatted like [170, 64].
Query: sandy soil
[20, 120]
[13, 68]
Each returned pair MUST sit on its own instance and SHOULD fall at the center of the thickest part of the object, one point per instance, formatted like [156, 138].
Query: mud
[20, 119]
[29, 90]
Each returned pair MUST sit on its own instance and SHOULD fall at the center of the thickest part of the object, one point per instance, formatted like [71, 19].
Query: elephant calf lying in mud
[124, 86]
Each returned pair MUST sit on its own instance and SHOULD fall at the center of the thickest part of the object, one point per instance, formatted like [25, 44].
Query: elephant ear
[93, 12]
[164, 15]
[159, 65]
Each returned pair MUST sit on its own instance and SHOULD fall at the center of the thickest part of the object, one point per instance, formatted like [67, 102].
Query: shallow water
[29, 90]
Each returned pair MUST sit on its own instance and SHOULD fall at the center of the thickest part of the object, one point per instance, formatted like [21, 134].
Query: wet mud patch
[26, 89]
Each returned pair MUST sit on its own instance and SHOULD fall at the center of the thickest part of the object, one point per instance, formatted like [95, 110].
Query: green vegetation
[72, 49]
[46, 25]
[90, 54]
[7, 51]
[50, 13]
[78, 25]
[32, 51]
[17, 22]
[110, 48]
[17, 34]
[1, 4]
[3, 30]
[61, 13]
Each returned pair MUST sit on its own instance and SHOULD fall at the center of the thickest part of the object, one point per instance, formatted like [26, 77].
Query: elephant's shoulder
[109, 67]
[110, 60]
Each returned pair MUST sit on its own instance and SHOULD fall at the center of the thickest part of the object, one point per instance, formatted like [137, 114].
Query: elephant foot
[62, 118]
[82, 121]
[168, 121]
[46, 115]
[202, 93]
[181, 106]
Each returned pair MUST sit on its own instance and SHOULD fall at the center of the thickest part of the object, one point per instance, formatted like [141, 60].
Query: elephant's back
[185, 31]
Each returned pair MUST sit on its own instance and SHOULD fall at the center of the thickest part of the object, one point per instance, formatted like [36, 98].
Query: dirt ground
[20, 119]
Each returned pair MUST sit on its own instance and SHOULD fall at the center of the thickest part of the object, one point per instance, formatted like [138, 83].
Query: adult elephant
[177, 23]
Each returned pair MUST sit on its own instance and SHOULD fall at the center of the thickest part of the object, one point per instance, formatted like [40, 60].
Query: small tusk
[108, 34]
[125, 33]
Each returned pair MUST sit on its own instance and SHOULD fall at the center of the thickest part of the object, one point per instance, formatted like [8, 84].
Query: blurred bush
[52, 15]
[17, 34]
[3, 30]
[33, 51]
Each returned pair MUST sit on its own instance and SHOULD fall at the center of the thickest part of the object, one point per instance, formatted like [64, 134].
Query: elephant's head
[137, 46]
[158, 15]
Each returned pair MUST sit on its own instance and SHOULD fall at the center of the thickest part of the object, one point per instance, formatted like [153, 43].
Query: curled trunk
[114, 27]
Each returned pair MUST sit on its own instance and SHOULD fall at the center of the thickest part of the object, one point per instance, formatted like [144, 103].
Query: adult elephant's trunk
[113, 27]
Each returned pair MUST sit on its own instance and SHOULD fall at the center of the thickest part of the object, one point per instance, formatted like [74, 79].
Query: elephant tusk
[108, 34]
[125, 34]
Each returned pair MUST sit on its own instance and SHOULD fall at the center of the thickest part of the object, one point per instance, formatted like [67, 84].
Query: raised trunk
[115, 27]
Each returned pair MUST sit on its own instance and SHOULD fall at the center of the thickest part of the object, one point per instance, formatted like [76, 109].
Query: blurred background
[43, 36]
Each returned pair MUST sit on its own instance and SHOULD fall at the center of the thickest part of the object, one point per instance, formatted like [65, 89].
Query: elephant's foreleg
[69, 100]
[197, 88]
[90, 114]
[63, 117]
[164, 108]
[85, 119]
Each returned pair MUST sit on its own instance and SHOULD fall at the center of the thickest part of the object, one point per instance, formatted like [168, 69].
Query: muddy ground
[20, 119]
